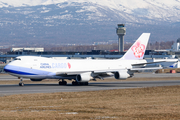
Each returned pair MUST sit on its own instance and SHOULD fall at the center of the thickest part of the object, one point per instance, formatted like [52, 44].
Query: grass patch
[141, 103]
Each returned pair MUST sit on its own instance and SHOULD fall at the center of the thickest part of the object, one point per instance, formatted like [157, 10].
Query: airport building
[27, 49]
[176, 46]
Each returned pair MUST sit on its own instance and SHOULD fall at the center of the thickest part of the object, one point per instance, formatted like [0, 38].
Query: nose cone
[7, 68]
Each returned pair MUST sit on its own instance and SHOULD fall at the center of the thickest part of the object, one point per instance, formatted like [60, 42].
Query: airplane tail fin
[137, 50]
[174, 65]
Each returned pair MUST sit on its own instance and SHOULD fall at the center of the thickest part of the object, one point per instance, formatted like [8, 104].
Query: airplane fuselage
[42, 68]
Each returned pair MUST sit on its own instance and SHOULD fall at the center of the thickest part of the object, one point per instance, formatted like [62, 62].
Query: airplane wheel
[21, 84]
[84, 83]
[74, 83]
[60, 83]
[63, 83]
[79, 83]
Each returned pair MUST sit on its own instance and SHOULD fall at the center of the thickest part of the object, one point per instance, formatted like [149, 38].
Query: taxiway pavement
[93, 86]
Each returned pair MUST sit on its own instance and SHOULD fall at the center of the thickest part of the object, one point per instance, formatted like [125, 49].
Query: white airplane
[81, 71]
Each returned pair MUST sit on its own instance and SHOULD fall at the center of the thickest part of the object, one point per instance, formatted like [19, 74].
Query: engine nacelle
[84, 77]
[122, 75]
[36, 79]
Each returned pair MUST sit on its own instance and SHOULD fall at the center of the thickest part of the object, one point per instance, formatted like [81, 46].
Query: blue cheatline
[18, 72]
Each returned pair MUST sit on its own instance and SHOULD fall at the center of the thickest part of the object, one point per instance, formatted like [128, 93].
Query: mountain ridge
[69, 21]
[141, 8]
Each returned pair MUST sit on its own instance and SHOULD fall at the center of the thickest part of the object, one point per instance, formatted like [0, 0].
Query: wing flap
[148, 68]
[138, 64]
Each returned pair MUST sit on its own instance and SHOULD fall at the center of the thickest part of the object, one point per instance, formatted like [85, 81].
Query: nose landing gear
[21, 82]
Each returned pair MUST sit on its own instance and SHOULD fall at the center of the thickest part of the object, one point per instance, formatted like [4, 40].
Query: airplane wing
[104, 73]
[66, 73]
[157, 61]
[129, 72]
[131, 69]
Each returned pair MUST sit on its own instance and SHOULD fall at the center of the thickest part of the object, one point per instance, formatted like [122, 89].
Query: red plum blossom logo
[138, 50]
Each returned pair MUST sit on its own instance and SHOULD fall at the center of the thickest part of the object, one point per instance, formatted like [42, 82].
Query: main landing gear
[21, 82]
[73, 83]
[79, 83]
[62, 82]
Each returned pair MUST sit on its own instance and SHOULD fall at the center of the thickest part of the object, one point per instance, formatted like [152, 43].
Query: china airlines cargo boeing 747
[80, 71]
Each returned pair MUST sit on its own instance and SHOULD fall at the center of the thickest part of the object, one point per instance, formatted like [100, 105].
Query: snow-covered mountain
[74, 21]
[162, 10]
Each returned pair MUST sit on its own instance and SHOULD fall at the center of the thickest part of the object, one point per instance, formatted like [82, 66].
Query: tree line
[107, 47]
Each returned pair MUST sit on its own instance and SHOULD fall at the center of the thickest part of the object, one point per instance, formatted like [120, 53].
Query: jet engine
[122, 75]
[84, 77]
[36, 79]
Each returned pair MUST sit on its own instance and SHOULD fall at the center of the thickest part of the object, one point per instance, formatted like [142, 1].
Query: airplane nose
[7, 68]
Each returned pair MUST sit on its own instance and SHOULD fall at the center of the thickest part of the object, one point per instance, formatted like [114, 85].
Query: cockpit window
[17, 58]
